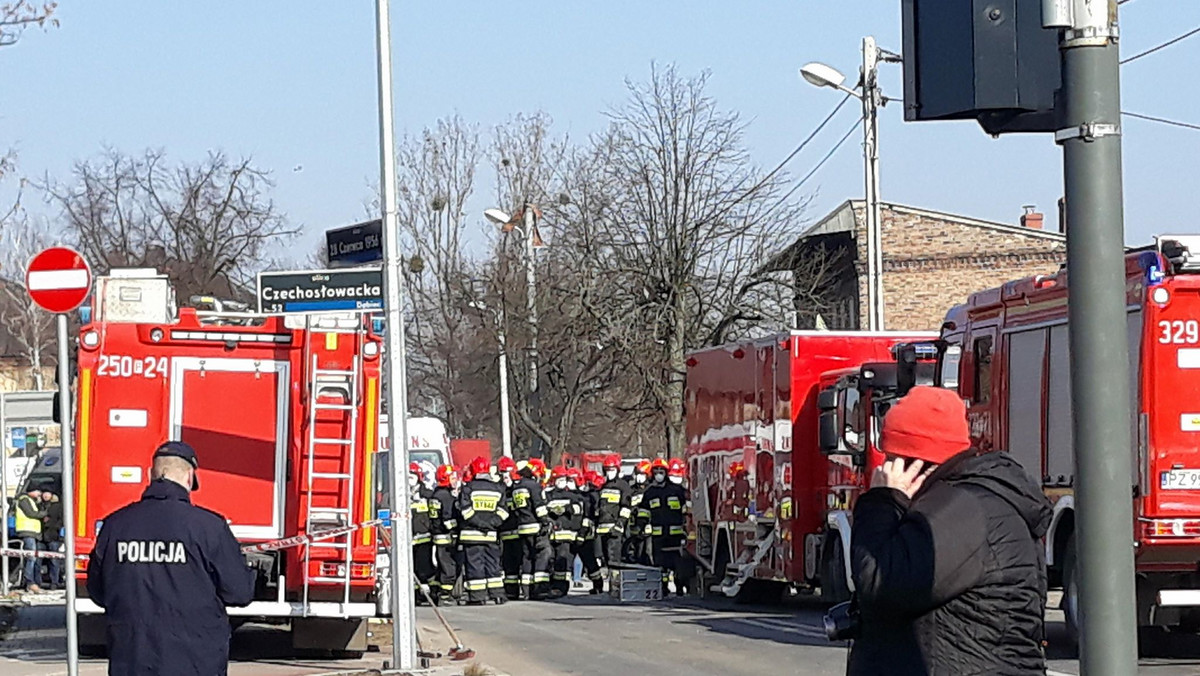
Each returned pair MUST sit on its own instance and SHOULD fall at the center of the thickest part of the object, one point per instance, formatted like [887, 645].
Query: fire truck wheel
[834, 587]
[1070, 600]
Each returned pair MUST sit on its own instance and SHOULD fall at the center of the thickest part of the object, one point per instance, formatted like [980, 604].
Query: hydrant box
[632, 583]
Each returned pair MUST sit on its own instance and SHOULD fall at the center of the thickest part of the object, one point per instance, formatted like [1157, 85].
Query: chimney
[1031, 219]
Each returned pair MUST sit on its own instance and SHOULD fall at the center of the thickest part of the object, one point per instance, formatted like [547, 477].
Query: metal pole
[4, 495]
[66, 411]
[530, 222]
[505, 426]
[1099, 351]
[404, 618]
[870, 102]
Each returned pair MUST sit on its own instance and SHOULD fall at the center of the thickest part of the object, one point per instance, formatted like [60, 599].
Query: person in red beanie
[948, 569]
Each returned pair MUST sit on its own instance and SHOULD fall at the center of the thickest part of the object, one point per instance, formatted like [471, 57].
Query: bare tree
[688, 228]
[27, 328]
[210, 225]
[16, 16]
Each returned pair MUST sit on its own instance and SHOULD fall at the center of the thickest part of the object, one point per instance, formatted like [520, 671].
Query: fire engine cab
[283, 414]
[1009, 354]
[769, 505]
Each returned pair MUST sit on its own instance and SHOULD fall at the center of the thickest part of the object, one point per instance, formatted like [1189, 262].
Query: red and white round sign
[58, 279]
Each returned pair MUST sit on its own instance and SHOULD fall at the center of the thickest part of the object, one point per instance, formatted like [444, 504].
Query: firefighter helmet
[480, 467]
[643, 467]
[506, 465]
[612, 461]
[737, 470]
[414, 467]
[575, 473]
[597, 479]
[539, 467]
[659, 463]
[445, 475]
[676, 467]
[560, 472]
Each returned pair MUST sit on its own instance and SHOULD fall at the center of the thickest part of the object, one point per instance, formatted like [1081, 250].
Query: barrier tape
[273, 545]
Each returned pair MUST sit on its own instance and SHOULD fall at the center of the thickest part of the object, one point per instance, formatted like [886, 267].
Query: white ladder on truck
[349, 384]
[743, 569]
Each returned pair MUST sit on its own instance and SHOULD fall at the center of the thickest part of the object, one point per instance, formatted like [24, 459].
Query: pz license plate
[1178, 479]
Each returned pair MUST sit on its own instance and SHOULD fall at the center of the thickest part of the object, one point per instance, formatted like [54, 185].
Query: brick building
[931, 261]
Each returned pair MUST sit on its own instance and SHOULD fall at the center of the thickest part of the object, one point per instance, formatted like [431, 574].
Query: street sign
[58, 279]
[304, 291]
[355, 244]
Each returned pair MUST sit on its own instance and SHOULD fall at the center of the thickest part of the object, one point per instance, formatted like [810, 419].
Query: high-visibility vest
[27, 524]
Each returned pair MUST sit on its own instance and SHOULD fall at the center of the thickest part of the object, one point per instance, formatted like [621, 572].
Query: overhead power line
[1164, 45]
[1161, 120]
[817, 167]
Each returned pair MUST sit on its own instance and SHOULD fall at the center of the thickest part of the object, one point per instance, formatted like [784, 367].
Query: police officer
[527, 502]
[664, 505]
[164, 571]
[566, 516]
[614, 511]
[481, 511]
[422, 534]
[444, 528]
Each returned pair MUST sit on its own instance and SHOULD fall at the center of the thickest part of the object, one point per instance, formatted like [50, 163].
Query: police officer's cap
[180, 449]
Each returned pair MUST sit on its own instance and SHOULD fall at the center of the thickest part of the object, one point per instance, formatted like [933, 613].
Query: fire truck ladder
[747, 562]
[348, 384]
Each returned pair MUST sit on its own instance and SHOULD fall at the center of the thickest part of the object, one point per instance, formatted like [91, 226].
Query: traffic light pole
[404, 619]
[1091, 140]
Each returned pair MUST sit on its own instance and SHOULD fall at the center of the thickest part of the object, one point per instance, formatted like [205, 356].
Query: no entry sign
[58, 279]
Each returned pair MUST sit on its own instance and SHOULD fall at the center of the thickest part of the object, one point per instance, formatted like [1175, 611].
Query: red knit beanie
[929, 423]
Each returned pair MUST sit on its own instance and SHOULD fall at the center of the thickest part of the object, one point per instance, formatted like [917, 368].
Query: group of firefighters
[512, 530]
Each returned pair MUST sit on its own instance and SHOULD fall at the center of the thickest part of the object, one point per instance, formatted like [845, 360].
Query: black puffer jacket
[953, 583]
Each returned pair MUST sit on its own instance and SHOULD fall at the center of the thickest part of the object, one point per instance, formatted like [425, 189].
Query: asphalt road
[578, 635]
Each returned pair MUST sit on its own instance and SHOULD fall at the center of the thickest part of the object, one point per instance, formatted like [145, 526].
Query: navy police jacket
[164, 570]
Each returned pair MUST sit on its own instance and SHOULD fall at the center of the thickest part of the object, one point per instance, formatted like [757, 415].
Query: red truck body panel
[463, 451]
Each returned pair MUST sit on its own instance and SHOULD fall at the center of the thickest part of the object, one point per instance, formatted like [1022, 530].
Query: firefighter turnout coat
[164, 570]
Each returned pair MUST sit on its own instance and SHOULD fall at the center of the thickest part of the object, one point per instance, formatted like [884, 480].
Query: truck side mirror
[827, 399]
[827, 432]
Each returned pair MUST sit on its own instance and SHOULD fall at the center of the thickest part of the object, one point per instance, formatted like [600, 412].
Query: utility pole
[871, 100]
[404, 618]
[1091, 141]
[505, 425]
[530, 230]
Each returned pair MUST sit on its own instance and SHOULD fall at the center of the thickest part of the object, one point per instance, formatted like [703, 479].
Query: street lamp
[525, 223]
[505, 427]
[821, 75]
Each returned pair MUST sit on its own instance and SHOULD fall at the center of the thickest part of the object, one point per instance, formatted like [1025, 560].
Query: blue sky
[292, 83]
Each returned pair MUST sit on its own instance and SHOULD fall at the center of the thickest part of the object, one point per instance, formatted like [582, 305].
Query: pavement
[577, 635]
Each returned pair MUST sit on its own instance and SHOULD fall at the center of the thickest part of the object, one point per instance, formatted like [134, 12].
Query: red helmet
[597, 479]
[506, 465]
[414, 467]
[445, 475]
[612, 461]
[480, 466]
[737, 470]
[676, 467]
[560, 472]
[539, 467]
[659, 463]
[575, 473]
[643, 467]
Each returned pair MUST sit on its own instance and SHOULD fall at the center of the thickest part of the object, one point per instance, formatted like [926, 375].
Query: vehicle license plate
[1180, 479]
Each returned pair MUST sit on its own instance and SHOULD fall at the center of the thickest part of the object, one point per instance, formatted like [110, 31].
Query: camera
[842, 622]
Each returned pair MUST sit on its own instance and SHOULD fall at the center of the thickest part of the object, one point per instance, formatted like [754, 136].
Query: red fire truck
[1008, 355]
[283, 414]
[770, 506]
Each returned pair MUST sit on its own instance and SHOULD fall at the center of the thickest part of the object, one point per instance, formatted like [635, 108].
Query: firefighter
[481, 511]
[444, 528]
[527, 501]
[543, 550]
[164, 570]
[739, 500]
[613, 512]
[510, 539]
[637, 545]
[566, 516]
[588, 547]
[664, 505]
[422, 535]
